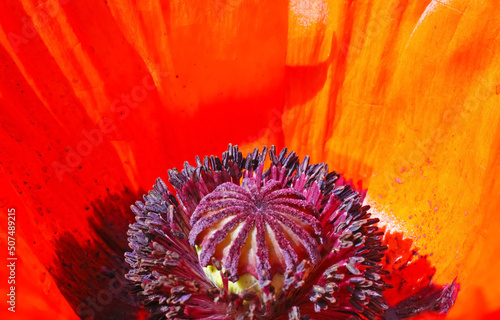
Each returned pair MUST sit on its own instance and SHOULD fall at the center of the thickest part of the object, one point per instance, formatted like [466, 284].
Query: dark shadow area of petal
[90, 273]
[310, 79]
[411, 274]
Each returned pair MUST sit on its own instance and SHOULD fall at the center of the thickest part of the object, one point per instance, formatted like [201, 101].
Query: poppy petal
[413, 105]
[85, 110]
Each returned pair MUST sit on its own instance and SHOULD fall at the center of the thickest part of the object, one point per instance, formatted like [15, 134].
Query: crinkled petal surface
[98, 98]
[406, 102]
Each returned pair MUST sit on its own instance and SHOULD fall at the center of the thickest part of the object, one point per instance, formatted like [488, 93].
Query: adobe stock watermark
[452, 119]
[44, 12]
[94, 137]
[88, 308]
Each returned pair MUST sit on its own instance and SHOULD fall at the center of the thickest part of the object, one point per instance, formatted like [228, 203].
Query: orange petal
[411, 111]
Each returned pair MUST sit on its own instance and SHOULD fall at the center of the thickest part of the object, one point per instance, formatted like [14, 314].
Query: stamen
[293, 236]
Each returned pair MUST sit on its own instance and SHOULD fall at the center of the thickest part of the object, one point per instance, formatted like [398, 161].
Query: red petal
[161, 94]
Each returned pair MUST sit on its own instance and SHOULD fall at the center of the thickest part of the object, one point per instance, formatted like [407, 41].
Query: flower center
[296, 235]
[260, 230]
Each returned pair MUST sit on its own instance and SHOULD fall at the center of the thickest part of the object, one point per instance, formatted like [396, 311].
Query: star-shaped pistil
[259, 230]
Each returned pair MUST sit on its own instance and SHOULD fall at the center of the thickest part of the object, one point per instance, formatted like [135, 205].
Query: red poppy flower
[99, 99]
